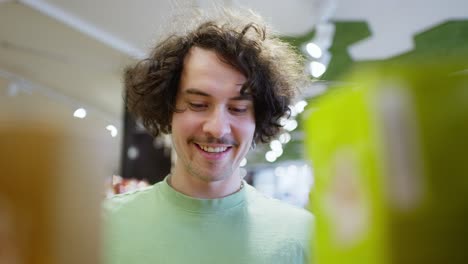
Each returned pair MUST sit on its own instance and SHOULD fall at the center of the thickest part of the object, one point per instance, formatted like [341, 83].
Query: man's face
[216, 129]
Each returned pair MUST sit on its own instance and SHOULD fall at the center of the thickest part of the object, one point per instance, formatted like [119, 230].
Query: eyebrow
[194, 91]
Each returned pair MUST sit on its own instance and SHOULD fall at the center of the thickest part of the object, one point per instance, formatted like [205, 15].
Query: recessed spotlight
[80, 113]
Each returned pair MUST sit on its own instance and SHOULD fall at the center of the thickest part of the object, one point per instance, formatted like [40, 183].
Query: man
[218, 90]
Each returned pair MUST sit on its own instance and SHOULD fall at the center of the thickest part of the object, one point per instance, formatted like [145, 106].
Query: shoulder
[127, 201]
[294, 225]
[275, 209]
[257, 198]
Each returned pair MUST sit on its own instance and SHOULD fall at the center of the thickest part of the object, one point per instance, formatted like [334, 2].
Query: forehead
[204, 70]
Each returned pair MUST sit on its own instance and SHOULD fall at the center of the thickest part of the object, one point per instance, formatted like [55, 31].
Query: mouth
[213, 149]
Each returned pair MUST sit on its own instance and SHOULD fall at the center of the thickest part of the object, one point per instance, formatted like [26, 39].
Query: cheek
[180, 128]
[245, 130]
[182, 122]
[185, 126]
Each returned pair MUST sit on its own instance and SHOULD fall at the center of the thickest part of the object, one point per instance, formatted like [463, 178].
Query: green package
[389, 150]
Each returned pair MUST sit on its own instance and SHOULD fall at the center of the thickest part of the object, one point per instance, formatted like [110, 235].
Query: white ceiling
[393, 23]
[60, 59]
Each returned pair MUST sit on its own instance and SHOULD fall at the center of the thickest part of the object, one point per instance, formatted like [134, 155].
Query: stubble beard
[207, 176]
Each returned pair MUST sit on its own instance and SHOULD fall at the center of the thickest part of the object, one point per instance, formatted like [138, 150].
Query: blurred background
[62, 61]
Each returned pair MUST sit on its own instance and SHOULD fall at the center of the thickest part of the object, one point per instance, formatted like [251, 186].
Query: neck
[197, 187]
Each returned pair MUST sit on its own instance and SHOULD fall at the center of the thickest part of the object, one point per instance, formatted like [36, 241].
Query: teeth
[214, 150]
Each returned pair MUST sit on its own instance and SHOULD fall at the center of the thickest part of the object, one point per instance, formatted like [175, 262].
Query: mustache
[213, 140]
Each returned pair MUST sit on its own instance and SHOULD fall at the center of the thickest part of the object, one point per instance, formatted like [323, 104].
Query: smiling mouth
[209, 149]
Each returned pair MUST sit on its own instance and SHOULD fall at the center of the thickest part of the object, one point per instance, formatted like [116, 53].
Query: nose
[217, 124]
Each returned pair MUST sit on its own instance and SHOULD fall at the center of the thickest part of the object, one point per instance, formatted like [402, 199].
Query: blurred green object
[389, 151]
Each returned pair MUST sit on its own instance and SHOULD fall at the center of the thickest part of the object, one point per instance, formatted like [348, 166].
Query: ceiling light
[270, 156]
[314, 50]
[299, 106]
[284, 138]
[276, 145]
[317, 69]
[80, 113]
[291, 125]
[293, 111]
[283, 121]
[112, 129]
[278, 152]
[243, 162]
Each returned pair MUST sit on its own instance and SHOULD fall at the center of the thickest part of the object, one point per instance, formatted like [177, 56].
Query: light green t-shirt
[161, 225]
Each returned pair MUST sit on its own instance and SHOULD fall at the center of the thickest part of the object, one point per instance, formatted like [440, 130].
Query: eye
[197, 106]
[238, 110]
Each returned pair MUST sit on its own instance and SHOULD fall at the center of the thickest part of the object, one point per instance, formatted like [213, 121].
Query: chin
[212, 176]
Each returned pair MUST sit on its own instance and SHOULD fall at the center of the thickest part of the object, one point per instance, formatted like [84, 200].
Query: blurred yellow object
[51, 184]
[390, 158]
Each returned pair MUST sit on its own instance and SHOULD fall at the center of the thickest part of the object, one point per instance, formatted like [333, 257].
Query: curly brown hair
[273, 69]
